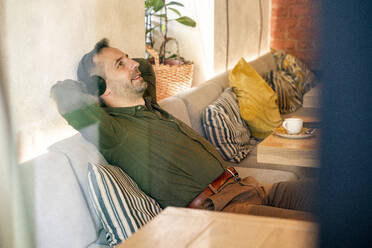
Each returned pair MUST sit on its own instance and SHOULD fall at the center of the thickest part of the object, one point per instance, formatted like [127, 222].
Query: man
[168, 159]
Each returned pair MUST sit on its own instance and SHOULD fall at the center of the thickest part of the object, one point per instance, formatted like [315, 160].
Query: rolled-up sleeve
[148, 75]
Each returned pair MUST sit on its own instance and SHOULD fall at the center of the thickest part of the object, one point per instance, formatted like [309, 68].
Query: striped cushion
[289, 96]
[225, 129]
[299, 71]
[119, 203]
[290, 81]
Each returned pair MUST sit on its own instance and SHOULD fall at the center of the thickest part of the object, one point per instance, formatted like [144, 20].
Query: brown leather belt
[213, 187]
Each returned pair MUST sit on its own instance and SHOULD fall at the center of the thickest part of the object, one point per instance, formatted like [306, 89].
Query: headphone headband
[95, 84]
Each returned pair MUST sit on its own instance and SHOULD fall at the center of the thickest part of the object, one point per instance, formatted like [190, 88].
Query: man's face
[120, 72]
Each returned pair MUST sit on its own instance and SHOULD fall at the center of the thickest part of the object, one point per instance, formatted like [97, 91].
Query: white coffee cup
[293, 125]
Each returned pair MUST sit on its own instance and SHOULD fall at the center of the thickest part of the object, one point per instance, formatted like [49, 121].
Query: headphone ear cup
[97, 85]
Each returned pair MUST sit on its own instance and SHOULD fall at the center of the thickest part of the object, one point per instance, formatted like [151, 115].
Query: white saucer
[301, 135]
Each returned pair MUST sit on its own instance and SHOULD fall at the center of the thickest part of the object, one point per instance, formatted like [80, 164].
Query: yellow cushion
[257, 101]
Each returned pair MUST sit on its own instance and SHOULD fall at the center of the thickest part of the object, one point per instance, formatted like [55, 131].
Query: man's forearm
[70, 95]
[148, 75]
[83, 112]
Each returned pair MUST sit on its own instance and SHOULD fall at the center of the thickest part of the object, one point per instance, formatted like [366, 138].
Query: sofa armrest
[312, 99]
[56, 204]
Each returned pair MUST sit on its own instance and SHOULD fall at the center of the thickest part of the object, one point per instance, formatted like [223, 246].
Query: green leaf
[175, 11]
[158, 5]
[162, 15]
[173, 56]
[149, 30]
[174, 3]
[147, 4]
[162, 27]
[185, 20]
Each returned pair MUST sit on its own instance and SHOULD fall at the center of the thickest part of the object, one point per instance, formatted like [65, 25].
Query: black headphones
[95, 84]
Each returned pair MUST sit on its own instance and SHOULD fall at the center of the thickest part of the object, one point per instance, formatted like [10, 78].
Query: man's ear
[106, 93]
[106, 97]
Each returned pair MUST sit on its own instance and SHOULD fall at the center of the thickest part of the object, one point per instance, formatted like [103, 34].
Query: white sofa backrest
[312, 99]
[197, 99]
[264, 64]
[177, 108]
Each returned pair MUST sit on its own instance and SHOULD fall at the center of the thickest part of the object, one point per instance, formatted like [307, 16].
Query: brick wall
[294, 28]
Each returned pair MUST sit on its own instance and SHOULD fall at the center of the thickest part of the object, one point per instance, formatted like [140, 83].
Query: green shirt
[167, 159]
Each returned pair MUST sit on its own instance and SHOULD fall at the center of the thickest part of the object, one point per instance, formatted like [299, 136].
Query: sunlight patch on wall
[205, 14]
[35, 140]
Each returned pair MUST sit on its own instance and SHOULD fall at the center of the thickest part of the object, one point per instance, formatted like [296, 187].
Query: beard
[130, 87]
[139, 85]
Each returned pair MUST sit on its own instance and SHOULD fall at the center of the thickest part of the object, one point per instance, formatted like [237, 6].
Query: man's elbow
[69, 96]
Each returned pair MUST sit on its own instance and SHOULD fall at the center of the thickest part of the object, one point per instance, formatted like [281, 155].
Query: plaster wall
[43, 41]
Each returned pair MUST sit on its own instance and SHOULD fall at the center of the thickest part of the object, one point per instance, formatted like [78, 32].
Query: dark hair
[95, 84]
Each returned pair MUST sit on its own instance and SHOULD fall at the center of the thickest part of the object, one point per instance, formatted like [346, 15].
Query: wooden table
[295, 152]
[182, 227]
[283, 151]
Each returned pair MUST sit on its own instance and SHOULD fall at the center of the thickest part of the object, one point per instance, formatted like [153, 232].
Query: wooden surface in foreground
[182, 227]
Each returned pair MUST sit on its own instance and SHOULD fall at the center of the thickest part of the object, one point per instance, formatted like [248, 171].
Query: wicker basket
[171, 79]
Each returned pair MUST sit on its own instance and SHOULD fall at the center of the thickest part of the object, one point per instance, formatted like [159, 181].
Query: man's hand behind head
[70, 95]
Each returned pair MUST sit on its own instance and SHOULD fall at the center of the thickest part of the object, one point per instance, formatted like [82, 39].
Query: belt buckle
[235, 175]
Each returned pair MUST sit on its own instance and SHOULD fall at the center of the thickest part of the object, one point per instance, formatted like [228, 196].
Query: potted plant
[173, 74]
[157, 19]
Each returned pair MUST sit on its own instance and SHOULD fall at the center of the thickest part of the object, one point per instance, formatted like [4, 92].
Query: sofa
[56, 184]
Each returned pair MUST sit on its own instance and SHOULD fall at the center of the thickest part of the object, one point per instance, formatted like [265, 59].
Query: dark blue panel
[345, 199]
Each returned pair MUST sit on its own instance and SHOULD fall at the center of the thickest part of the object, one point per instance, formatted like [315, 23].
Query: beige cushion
[197, 99]
[176, 107]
